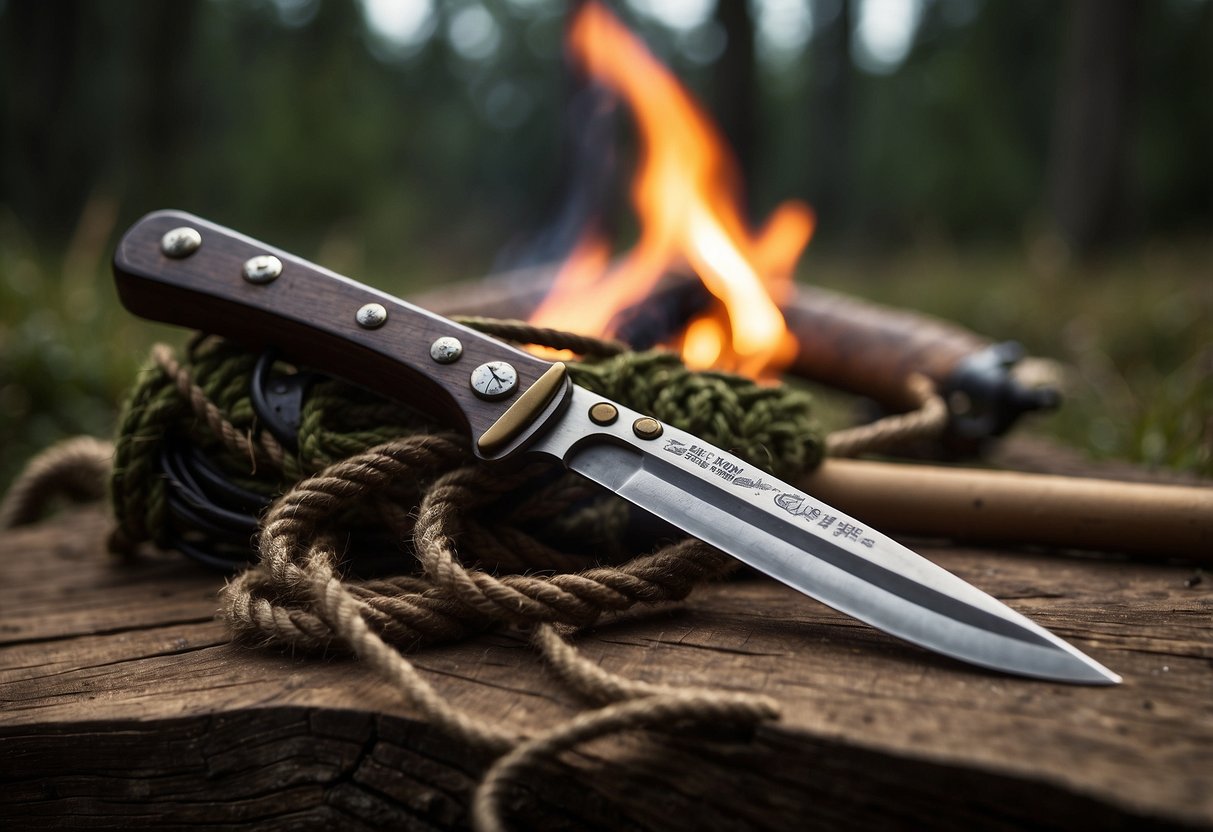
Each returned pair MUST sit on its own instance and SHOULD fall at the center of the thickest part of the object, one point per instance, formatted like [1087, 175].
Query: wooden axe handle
[1011, 507]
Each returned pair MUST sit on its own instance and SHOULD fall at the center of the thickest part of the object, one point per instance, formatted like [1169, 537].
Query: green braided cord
[136, 487]
[770, 426]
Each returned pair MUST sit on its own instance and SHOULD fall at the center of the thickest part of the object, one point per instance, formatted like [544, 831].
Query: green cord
[769, 426]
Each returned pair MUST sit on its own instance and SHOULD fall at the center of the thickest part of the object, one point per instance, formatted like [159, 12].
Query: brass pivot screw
[646, 427]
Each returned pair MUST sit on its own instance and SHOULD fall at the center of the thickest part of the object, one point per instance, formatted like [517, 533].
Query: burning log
[846, 343]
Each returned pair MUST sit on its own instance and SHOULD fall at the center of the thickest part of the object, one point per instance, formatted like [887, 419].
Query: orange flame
[686, 196]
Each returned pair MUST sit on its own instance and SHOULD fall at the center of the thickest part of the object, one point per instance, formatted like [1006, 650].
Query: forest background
[1038, 171]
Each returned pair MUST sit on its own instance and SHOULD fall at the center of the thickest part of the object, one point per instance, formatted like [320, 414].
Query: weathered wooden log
[123, 704]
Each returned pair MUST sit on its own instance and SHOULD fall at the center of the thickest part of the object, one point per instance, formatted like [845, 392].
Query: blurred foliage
[411, 162]
[298, 122]
[67, 350]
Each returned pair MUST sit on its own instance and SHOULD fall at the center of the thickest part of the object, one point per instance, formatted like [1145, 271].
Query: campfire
[685, 193]
[700, 280]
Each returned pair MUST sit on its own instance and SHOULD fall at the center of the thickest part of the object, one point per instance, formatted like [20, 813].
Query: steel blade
[808, 545]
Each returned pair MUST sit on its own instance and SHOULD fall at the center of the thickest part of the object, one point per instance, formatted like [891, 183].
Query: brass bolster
[522, 412]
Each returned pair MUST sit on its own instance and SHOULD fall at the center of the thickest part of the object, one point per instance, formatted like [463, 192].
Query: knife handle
[873, 350]
[320, 319]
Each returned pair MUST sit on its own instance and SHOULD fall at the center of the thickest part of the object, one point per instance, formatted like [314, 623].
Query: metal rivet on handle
[262, 269]
[646, 427]
[180, 242]
[494, 380]
[446, 350]
[371, 316]
[604, 413]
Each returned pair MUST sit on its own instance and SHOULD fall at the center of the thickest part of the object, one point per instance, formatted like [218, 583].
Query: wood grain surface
[122, 703]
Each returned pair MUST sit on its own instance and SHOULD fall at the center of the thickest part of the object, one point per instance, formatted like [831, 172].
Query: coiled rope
[362, 461]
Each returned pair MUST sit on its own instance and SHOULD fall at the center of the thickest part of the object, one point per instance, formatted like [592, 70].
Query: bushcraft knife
[180, 269]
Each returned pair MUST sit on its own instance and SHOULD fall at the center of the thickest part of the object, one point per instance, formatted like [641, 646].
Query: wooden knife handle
[873, 350]
[310, 314]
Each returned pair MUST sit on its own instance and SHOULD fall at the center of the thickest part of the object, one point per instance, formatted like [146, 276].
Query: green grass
[67, 350]
[1135, 334]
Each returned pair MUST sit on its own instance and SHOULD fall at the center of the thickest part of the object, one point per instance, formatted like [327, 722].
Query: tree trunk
[736, 88]
[830, 108]
[1091, 125]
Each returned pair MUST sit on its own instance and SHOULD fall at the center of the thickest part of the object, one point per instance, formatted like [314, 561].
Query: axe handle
[1032, 509]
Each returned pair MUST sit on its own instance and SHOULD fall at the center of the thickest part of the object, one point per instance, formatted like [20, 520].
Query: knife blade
[177, 268]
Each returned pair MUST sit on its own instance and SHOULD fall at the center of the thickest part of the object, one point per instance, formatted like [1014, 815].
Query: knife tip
[1102, 676]
[1106, 677]
[1084, 670]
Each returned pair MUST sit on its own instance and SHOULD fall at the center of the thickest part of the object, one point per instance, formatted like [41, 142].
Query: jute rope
[925, 422]
[299, 595]
[76, 468]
